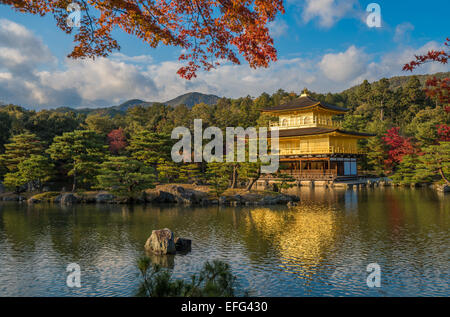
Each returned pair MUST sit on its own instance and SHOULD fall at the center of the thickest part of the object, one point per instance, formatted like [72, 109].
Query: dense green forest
[129, 151]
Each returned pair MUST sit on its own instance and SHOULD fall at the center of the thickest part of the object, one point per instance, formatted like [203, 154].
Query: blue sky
[324, 45]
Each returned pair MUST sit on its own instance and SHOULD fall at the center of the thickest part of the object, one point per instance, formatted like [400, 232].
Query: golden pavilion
[312, 146]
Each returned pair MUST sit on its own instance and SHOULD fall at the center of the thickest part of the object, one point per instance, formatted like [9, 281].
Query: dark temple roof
[315, 131]
[304, 101]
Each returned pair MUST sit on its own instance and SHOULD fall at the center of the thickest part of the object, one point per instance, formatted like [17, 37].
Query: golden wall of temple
[324, 144]
[302, 119]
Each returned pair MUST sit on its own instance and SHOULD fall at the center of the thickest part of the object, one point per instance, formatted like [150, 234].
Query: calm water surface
[320, 248]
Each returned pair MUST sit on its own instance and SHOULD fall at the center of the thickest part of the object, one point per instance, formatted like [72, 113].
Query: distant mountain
[401, 81]
[129, 104]
[189, 99]
[193, 98]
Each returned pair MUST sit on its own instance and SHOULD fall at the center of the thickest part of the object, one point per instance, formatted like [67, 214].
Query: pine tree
[376, 155]
[406, 172]
[286, 181]
[125, 177]
[20, 148]
[150, 147]
[250, 172]
[436, 161]
[168, 171]
[81, 151]
[190, 173]
[35, 170]
[218, 174]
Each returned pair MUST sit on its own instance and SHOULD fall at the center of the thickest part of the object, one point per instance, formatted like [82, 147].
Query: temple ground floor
[321, 168]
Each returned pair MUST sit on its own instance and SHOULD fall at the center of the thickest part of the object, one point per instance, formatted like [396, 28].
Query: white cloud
[328, 12]
[100, 82]
[392, 63]
[402, 30]
[344, 66]
[20, 49]
[117, 56]
[278, 28]
[29, 76]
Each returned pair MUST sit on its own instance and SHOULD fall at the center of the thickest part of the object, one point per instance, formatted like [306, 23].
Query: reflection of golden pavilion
[312, 144]
[301, 236]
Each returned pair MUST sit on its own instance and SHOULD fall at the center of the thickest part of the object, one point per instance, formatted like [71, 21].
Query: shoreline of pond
[161, 194]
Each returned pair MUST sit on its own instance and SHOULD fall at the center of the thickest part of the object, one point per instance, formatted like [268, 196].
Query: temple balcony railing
[320, 150]
[311, 124]
[325, 174]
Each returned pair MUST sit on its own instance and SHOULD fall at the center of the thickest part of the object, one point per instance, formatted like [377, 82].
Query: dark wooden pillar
[301, 168]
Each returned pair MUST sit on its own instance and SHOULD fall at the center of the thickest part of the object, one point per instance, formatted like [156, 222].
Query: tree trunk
[253, 181]
[74, 187]
[382, 111]
[235, 176]
[441, 172]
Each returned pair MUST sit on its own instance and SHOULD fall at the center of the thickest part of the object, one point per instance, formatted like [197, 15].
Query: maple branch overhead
[207, 30]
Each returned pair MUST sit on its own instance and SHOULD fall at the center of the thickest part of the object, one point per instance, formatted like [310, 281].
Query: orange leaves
[432, 56]
[208, 30]
[439, 89]
[436, 88]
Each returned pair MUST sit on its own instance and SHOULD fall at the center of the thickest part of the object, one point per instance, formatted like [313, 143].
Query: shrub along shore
[186, 194]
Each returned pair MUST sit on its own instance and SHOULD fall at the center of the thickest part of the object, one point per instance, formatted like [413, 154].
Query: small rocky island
[163, 242]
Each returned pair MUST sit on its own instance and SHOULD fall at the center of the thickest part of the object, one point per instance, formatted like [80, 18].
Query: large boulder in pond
[161, 242]
[182, 244]
[183, 195]
[67, 199]
[175, 194]
[160, 196]
[443, 188]
[33, 200]
[104, 197]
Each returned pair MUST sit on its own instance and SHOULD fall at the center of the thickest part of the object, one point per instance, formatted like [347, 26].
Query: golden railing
[326, 174]
[314, 123]
[320, 150]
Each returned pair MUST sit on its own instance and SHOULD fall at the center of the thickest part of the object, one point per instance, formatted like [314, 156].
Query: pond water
[320, 248]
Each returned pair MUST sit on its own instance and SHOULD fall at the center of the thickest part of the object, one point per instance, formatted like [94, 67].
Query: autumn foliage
[399, 146]
[436, 88]
[208, 31]
[443, 132]
[117, 141]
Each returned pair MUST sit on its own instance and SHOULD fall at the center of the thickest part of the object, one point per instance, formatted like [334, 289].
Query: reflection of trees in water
[300, 236]
[325, 227]
[165, 260]
[20, 225]
[88, 232]
[333, 198]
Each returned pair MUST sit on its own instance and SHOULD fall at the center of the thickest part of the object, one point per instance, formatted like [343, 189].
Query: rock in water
[33, 200]
[443, 188]
[66, 199]
[182, 244]
[104, 197]
[161, 242]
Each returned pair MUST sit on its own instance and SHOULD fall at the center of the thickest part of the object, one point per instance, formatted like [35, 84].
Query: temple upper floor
[305, 112]
[305, 120]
